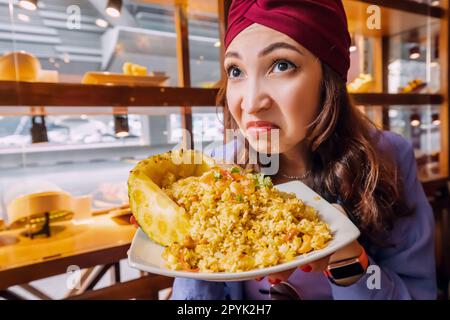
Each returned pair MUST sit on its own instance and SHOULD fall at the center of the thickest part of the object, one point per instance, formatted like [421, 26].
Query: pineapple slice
[138, 70]
[159, 216]
[132, 69]
[127, 68]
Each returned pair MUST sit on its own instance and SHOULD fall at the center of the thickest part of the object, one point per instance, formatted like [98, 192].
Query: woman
[287, 64]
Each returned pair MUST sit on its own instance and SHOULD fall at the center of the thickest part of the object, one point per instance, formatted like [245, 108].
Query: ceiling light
[121, 126]
[28, 4]
[38, 129]
[435, 119]
[415, 120]
[101, 23]
[23, 17]
[114, 8]
[353, 46]
[414, 52]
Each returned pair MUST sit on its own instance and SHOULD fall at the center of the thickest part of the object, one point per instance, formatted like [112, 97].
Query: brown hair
[347, 162]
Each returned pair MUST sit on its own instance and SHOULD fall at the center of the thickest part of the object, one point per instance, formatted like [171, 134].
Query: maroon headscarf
[318, 25]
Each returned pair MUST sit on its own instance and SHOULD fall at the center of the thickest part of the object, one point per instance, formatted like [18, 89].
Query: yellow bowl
[19, 66]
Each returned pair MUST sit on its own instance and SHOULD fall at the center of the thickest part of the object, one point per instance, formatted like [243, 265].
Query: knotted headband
[318, 25]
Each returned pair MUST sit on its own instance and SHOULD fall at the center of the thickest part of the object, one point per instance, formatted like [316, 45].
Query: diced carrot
[226, 173]
[237, 176]
[189, 242]
[291, 234]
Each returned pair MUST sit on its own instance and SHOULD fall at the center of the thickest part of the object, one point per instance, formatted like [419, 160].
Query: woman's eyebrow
[278, 45]
[232, 54]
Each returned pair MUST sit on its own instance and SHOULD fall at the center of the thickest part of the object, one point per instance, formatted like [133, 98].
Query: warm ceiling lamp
[101, 23]
[121, 126]
[114, 8]
[28, 4]
[353, 46]
[435, 119]
[414, 44]
[38, 129]
[414, 52]
[415, 120]
[23, 17]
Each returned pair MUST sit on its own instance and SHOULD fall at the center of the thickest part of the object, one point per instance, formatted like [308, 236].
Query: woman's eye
[282, 65]
[234, 72]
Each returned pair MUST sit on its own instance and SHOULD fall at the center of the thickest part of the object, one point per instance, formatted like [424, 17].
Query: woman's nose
[256, 100]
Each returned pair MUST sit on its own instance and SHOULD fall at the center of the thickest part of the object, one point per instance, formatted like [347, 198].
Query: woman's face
[273, 83]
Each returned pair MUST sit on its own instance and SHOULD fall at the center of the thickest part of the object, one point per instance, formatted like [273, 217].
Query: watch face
[347, 271]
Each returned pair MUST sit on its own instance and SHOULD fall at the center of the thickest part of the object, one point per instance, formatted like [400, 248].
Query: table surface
[85, 243]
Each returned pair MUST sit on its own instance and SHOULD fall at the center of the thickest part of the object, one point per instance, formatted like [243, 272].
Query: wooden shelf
[385, 99]
[80, 95]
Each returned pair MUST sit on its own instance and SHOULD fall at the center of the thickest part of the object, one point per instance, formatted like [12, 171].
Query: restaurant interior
[89, 88]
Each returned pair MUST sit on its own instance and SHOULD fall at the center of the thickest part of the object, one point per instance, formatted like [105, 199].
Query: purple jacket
[406, 270]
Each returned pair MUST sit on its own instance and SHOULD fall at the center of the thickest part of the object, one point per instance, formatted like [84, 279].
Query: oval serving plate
[145, 254]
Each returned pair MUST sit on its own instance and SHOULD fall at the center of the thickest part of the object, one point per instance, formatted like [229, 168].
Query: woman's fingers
[316, 266]
[133, 221]
[278, 277]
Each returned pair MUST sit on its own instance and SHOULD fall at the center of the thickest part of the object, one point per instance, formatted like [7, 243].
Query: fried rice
[240, 222]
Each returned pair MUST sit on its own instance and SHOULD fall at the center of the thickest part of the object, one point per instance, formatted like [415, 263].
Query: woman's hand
[133, 221]
[354, 249]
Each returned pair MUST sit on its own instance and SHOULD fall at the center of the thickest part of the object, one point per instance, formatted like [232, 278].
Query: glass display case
[399, 72]
[87, 90]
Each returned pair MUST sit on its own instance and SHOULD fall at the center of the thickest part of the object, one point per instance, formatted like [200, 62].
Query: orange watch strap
[363, 259]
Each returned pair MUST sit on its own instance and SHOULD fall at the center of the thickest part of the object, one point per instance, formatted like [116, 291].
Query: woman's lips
[260, 126]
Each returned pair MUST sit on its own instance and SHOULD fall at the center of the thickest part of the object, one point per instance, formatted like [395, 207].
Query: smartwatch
[348, 271]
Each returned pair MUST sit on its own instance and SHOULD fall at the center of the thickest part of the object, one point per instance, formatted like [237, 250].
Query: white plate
[145, 254]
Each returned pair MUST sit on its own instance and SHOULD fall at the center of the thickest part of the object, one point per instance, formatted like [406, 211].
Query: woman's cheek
[234, 107]
[298, 114]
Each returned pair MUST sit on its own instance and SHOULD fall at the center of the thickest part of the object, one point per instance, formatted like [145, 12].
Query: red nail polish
[274, 281]
[306, 268]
